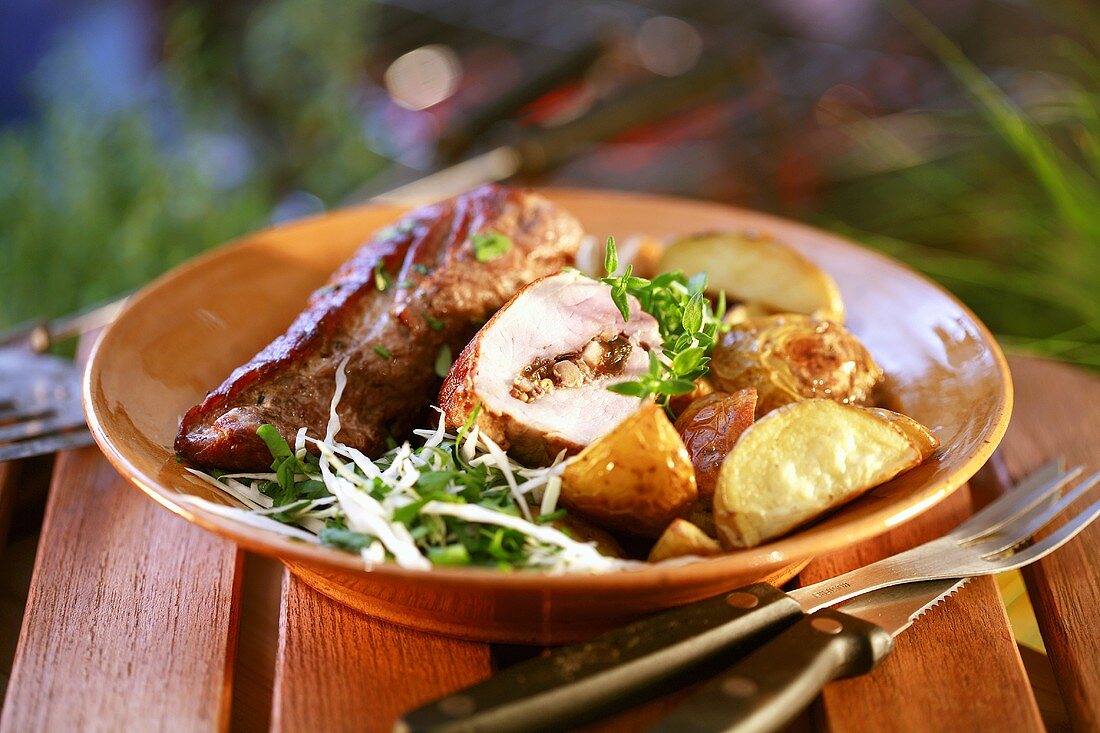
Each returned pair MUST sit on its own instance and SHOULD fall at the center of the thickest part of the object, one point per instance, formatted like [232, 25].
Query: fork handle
[579, 683]
[769, 688]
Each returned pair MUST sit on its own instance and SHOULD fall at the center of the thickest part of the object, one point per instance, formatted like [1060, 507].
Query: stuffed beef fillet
[540, 368]
[423, 285]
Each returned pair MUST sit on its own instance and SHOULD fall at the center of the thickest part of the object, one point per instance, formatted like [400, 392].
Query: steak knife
[576, 684]
[771, 686]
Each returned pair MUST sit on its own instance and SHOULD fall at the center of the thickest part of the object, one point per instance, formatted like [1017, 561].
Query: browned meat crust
[439, 295]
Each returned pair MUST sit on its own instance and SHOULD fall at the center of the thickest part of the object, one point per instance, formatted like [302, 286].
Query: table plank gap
[130, 619]
[963, 646]
[9, 486]
[257, 642]
[339, 670]
[1056, 415]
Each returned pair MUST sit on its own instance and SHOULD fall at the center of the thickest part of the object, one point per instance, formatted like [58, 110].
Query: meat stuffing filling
[604, 356]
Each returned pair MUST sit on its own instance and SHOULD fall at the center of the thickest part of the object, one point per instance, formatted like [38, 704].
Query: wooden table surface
[135, 620]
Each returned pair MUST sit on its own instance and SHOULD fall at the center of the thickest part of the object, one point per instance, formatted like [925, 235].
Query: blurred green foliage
[95, 200]
[1011, 222]
[252, 105]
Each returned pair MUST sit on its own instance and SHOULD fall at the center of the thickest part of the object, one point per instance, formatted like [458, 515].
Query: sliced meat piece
[438, 294]
[541, 366]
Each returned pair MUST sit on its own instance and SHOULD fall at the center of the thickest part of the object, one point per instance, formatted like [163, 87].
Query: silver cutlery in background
[40, 409]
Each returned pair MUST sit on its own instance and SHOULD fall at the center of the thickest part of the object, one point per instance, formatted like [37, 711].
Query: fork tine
[1028, 494]
[21, 414]
[47, 444]
[1052, 542]
[34, 428]
[1027, 525]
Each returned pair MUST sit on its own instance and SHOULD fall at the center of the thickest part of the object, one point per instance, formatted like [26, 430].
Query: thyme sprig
[688, 324]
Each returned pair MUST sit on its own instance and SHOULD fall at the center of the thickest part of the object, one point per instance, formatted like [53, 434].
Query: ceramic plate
[183, 334]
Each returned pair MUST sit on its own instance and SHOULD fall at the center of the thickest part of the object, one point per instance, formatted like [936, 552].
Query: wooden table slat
[339, 670]
[130, 621]
[964, 647]
[1058, 413]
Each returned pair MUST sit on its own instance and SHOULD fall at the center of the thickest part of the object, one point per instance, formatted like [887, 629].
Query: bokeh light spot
[424, 76]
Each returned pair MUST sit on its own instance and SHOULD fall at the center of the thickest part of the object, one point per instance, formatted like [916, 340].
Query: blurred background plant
[962, 136]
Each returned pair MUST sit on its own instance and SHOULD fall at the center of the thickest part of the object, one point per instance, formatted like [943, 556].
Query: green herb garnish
[688, 324]
[455, 554]
[286, 465]
[440, 473]
[443, 361]
[433, 323]
[383, 352]
[345, 539]
[490, 246]
[381, 278]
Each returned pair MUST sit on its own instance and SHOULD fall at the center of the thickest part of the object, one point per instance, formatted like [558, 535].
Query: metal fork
[40, 410]
[995, 540]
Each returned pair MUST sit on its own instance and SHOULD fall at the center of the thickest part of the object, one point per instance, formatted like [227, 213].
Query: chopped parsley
[433, 323]
[443, 361]
[457, 499]
[383, 352]
[489, 246]
[381, 278]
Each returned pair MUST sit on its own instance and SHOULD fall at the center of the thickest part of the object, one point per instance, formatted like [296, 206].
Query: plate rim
[808, 542]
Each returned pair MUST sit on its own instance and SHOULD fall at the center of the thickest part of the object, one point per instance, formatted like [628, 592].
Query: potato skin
[635, 479]
[709, 428]
[682, 538]
[919, 436]
[679, 403]
[790, 357]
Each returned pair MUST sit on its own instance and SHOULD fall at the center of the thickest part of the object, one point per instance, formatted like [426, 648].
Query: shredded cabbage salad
[457, 499]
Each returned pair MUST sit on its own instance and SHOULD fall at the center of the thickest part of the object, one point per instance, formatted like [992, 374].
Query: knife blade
[769, 688]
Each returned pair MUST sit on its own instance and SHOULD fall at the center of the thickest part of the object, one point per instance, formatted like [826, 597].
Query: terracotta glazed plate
[182, 335]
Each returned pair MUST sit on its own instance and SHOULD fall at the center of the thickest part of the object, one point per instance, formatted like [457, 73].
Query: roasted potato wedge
[792, 357]
[635, 479]
[709, 427]
[639, 250]
[802, 460]
[758, 271]
[679, 403]
[920, 436]
[682, 538]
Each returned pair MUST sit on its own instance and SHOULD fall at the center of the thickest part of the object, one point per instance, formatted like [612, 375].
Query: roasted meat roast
[425, 284]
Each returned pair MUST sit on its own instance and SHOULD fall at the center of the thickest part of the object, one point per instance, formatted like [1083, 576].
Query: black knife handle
[770, 687]
[582, 682]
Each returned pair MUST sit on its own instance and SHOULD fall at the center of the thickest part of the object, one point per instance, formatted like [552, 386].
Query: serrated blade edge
[897, 607]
